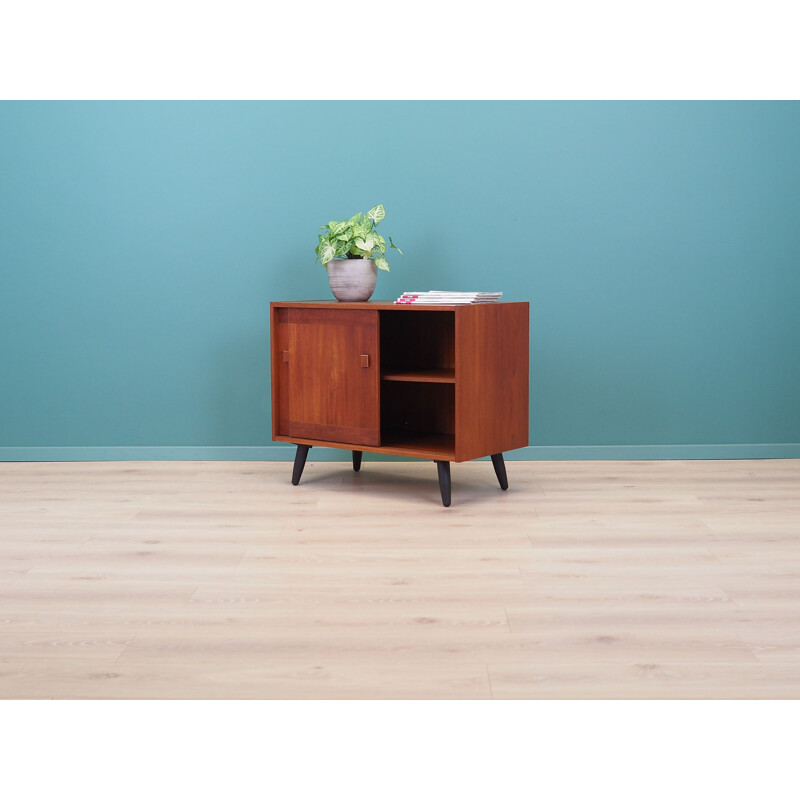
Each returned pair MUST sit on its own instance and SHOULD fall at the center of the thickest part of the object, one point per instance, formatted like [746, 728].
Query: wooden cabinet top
[385, 305]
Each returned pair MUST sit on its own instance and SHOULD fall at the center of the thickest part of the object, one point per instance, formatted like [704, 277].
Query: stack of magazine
[447, 298]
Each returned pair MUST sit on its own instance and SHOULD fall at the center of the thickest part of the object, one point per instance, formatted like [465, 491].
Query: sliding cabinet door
[329, 374]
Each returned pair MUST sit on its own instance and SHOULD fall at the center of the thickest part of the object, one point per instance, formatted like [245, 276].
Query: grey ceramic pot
[352, 280]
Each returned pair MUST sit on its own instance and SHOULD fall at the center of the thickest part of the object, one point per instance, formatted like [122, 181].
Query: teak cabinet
[447, 383]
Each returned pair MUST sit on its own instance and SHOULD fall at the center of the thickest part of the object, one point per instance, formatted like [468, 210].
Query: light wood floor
[667, 579]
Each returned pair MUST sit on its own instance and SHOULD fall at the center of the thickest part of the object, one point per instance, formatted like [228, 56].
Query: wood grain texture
[219, 580]
[279, 370]
[332, 396]
[491, 379]
[375, 305]
[437, 446]
[474, 357]
[420, 375]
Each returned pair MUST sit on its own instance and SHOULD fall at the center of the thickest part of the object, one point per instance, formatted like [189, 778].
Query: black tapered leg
[444, 481]
[357, 460]
[299, 462]
[500, 470]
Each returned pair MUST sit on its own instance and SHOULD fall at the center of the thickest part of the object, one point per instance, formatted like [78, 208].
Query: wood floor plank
[220, 580]
[231, 678]
[644, 681]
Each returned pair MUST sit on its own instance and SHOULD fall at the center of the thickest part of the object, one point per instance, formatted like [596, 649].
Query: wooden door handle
[364, 360]
[285, 354]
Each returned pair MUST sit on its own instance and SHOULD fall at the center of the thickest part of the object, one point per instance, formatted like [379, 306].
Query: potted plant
[353, 251]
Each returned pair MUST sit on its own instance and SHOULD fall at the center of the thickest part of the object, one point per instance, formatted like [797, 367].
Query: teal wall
[659, 245]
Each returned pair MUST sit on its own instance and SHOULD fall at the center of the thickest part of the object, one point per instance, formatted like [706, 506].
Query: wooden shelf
[433, 446]
[419, 375]
[437, 446]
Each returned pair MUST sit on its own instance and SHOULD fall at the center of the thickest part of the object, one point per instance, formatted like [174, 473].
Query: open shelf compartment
[418, 382]
[418, 344]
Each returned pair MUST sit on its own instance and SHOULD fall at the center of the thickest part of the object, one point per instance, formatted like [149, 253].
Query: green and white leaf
[365, 244]
[326, 252]
[362, 230]
[376, 214]
[356, 236]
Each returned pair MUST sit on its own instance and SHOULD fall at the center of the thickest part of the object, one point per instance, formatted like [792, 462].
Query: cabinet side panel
[279, 371]
[491, 379]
